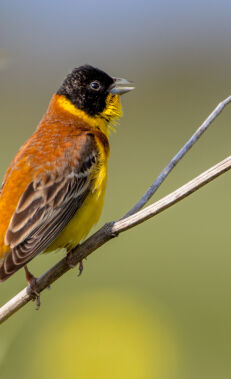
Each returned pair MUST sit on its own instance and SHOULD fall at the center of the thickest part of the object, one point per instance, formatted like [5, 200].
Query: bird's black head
[87, 88]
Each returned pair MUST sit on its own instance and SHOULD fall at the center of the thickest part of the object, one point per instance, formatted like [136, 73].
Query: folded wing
[46, 207]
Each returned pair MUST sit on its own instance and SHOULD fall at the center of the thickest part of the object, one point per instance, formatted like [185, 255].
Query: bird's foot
[71, 265]
[80, 268]
[69, 259]
[32, 282]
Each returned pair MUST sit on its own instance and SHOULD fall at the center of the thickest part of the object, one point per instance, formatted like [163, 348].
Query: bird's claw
[80, 268]
[32, 281]
[71, 265]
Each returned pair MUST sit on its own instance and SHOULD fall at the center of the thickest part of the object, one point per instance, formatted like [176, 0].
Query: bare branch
[159, 180]
[108, 232]
[131, 219]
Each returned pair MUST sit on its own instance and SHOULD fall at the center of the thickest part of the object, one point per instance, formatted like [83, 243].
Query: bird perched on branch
[53, 191]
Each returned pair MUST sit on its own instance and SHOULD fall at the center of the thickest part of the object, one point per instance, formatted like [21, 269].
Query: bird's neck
[60, 108]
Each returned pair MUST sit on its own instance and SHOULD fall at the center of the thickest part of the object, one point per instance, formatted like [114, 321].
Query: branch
[164, 173]
[108, 231]
[131, 219]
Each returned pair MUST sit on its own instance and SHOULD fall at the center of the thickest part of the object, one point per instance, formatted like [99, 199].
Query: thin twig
[108, 232]
[159, 180]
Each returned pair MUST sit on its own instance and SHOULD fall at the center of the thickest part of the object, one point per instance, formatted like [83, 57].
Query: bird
[53, 191]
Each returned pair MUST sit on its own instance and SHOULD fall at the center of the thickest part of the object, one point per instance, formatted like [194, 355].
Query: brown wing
[45, 209]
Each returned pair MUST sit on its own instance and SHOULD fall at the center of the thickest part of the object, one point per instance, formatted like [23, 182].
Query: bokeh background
[155, 302]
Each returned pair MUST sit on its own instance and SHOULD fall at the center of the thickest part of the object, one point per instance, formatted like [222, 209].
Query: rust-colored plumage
[53, 191]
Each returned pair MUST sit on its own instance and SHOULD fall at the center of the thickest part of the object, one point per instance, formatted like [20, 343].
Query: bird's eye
[95, 85]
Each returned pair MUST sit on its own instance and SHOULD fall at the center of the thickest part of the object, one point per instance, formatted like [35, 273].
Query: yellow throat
[105, 120]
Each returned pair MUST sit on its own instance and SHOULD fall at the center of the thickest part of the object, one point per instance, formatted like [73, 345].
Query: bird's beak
[121, 86]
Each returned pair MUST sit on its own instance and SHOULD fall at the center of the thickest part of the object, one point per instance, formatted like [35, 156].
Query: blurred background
[155, 302]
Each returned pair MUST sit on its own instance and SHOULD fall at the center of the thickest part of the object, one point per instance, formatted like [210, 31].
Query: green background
[155, 302]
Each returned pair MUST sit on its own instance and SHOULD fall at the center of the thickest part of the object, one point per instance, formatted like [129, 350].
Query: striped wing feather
[43, 211]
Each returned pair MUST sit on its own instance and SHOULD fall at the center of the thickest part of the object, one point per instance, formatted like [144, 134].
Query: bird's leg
[71, 265]
[68, 259]
[32, 282]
